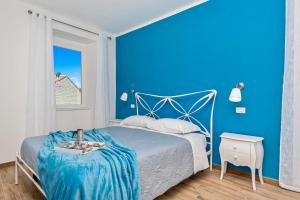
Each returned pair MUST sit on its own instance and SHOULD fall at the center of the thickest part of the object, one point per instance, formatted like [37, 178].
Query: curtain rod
[30, 12]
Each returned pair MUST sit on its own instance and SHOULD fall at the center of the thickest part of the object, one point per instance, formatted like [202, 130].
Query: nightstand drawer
[114, 122]
[236, 146]
[237, 158]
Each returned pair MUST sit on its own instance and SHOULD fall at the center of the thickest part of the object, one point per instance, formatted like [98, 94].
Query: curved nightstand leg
[16, 170]
[16, 174]
[253, 178]
[225, 167]
[260, 176]
[222, 170]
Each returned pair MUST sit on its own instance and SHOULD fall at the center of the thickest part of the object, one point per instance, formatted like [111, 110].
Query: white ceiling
[116, 16]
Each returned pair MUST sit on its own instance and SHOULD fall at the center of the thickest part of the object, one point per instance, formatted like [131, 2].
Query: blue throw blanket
[110, 173]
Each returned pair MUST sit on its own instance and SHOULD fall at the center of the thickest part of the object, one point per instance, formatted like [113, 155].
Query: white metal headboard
[187, 114]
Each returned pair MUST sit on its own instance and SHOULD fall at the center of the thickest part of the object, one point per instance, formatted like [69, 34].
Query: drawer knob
[235, 157]
[234, 147]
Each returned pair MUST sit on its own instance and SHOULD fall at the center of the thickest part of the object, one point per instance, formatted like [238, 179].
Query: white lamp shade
[235, 95]
[124, 96]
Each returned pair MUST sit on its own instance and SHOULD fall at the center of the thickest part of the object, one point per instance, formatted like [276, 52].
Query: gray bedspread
[164, 160]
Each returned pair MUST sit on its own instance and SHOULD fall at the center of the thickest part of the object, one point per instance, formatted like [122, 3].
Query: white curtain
[112, 77]
[105, 86]
[289, 175]
[41, 109]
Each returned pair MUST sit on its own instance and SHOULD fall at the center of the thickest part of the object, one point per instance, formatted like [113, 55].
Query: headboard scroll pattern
[185, 113]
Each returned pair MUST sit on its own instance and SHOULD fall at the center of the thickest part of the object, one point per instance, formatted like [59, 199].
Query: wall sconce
[124, 96]
[235, 95]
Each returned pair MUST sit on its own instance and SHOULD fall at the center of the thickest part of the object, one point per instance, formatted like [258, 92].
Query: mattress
[164, 160]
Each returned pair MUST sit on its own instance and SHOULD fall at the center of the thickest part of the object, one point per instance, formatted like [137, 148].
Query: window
[68, 73]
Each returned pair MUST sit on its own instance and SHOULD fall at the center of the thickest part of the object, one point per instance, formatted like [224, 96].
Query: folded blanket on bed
[109, 174]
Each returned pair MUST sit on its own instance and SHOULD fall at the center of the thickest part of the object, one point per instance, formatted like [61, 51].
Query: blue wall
[214, 45]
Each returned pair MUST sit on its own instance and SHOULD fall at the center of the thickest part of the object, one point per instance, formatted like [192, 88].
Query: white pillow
[137, 120]
[168, 125]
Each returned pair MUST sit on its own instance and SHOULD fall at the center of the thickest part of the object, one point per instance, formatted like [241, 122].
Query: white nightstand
[242, 150]
[114, 122]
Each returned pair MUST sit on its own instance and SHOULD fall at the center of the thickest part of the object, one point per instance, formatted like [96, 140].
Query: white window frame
[69, 44]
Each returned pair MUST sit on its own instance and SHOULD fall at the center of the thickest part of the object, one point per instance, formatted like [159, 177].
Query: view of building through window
[67, 69]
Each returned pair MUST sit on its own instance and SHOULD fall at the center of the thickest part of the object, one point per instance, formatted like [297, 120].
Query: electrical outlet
[240, 110]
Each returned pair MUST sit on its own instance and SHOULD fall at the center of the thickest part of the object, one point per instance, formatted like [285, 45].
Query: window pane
[67, 69]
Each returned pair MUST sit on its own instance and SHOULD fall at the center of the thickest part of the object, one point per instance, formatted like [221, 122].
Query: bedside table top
[115, 120]
[241, 137]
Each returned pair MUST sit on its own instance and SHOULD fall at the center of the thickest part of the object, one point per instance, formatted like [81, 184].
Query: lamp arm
[240, 85]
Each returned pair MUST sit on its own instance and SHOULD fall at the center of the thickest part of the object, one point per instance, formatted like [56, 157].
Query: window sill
[72, 108]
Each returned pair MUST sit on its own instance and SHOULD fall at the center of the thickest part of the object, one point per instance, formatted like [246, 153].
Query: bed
[164, 159]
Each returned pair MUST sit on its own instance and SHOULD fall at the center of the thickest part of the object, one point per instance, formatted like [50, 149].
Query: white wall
[14, 45]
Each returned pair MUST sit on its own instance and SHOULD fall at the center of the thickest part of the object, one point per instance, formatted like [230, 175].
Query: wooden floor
[204, 185]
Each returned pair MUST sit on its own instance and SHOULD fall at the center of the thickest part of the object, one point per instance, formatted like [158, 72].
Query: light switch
[132, 106]
[240, 110]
